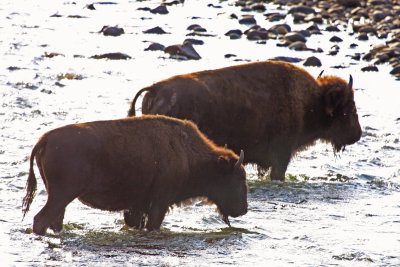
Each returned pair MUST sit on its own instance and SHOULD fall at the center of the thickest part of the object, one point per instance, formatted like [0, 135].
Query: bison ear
[333, 98]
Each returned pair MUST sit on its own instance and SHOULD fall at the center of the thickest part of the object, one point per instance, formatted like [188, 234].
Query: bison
[139, 165]
[270, 109]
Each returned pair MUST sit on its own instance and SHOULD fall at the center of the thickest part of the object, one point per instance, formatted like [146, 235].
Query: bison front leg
[57, 225]
[156, 216]
[134, 218]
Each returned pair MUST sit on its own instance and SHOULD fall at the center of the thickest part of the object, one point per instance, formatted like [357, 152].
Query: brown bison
[140, 165]
[271, 109]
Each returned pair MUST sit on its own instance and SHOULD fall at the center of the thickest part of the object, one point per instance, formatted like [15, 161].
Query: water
[341, 211]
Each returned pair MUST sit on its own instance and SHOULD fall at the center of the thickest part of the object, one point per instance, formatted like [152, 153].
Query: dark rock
[312, 62]
[161, 9]
[302, 9]
[234, 34]
[370, 68]
[332, 28]
[395, 70]
[184, 51]
[194, 41]
[90, 7]
[247, 19]
[287, 59]
[298, 46]
[295, 37]
[363, 37]
[336, 39]
[258, 7]
[282, 29]
[112, 56]
[155, 30]
[350, 3]
[230, 55]
[112, 31]
[275, 16]
[155, 47]
[257, 34]
[353, 45]
[314, 18]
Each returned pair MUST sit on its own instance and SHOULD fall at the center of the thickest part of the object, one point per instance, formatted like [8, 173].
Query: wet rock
[363, 37]
[258, 7]
[370, 68]
[196, 28]
[112, 31]
[288, 59]
[155, 30]
[295, 37]
[275, 16]
[257, 34]
[247, 19]
[229, 55]
[336, 39]
[281, 29]
[155, 47]
[332, 28]
[350, 3]
[395, 71]
[184, 51]
[302, 9]
[161, 9]
[312, 62]
[194, 41]
[314, 18]
[112, 56]
[234, 34]
[298, 46]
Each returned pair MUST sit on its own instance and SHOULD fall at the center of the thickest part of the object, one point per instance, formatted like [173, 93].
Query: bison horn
[320, 74]
[350, 84]
[240, 160]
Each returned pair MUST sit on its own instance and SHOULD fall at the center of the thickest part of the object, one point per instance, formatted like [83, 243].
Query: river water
[331, 211]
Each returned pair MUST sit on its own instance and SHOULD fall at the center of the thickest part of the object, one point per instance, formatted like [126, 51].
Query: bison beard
[139, 165]
[270, 109]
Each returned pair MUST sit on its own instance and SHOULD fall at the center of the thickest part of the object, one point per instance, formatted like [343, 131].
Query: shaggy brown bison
[141, 165]
[271, 109]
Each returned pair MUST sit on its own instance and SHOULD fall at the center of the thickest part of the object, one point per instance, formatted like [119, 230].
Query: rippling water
[342, 210]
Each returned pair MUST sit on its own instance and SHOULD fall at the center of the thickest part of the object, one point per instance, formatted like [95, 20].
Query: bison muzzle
[139, 165]
[270, 109]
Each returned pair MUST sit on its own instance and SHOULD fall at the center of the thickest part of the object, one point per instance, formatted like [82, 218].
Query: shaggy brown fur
[139, 165]
[270, 109]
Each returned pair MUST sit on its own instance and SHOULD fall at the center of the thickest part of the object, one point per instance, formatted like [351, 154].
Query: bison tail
[132, 110]
[31, 184]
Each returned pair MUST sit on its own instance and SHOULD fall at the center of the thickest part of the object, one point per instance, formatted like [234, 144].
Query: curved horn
[240, 160]
[320, 74]
[350, 84]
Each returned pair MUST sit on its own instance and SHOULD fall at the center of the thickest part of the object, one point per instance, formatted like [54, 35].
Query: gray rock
[184, 51]
[312, 62]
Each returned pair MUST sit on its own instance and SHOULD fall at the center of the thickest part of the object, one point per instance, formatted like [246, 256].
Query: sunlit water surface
[342, 210]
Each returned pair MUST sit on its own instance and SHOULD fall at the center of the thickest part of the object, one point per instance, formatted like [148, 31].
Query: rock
[184, 51]
[298, 46]
[302, 9]
[395, 70]
[287, 59]
[257, 34]
[370, 68]
[155, 30]
[247, 19]
[229, 55]
[363, 37]
[234, 34]
[112, 56]
[312, 62]
[161, 9]
[194, 41]
[336, 39]
[275, 16]
[281, 29]
[350, 3]
[112, 31]
[155, 47]
[295, 37]
[332, 28]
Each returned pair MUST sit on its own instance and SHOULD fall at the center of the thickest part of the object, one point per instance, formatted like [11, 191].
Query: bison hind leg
[135, 218]
[57, 225]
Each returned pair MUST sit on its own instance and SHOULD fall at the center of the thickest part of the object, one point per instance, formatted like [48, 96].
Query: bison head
[230, 191]
[343, 127]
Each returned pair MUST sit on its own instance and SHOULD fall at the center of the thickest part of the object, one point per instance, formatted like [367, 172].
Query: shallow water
[342, 210]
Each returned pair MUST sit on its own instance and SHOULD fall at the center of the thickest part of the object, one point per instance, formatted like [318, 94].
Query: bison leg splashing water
[140, 165]
[270, 109]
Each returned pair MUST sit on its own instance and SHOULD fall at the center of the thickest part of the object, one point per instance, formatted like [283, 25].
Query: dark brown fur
[139, 165]
[270, 109]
